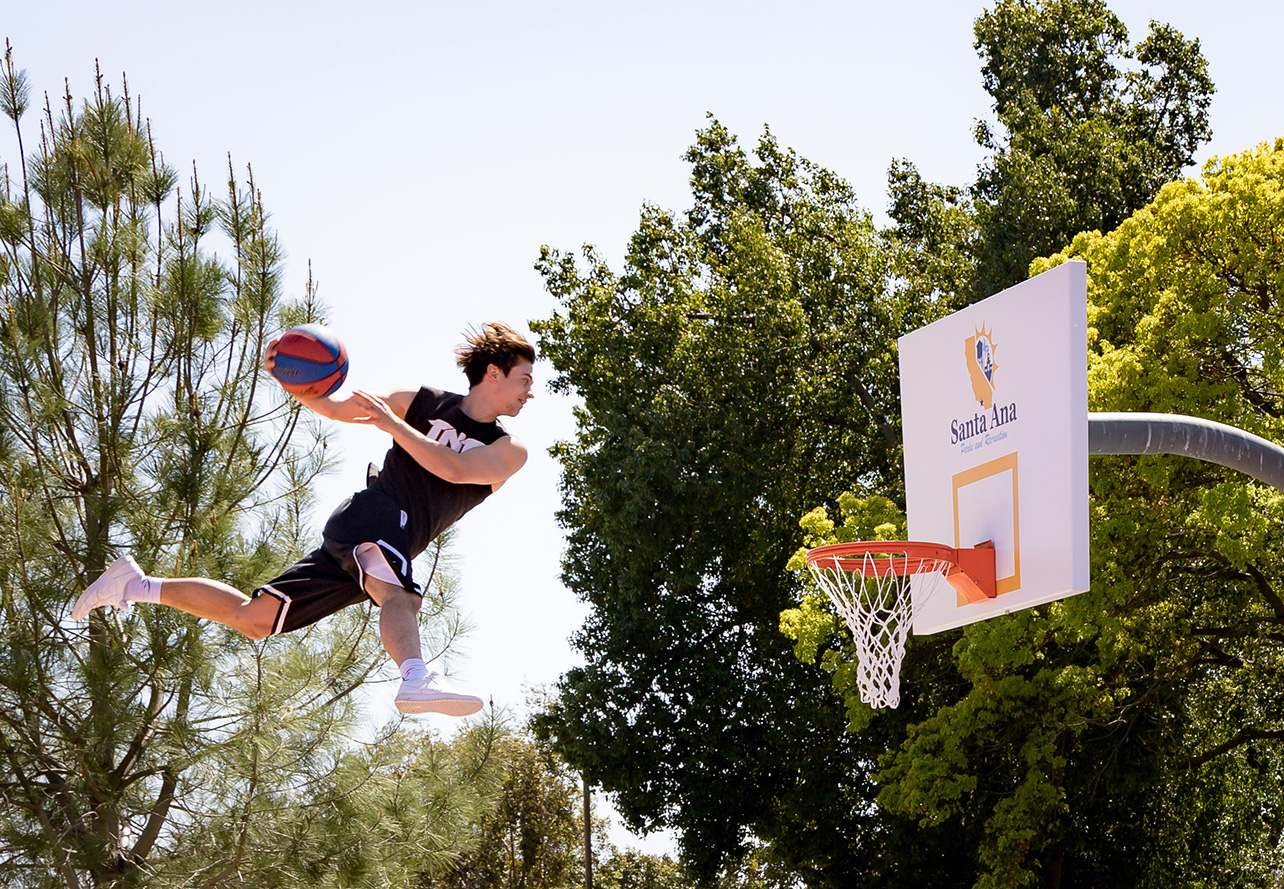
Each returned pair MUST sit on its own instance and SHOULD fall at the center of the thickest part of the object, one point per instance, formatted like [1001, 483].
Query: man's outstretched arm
[490, 464]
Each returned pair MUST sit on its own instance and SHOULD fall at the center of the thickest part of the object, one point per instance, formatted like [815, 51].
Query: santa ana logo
[982, 427]
[981, 366]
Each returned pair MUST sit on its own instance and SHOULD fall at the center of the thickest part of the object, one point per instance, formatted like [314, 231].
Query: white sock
[144, 589]
[412, 668]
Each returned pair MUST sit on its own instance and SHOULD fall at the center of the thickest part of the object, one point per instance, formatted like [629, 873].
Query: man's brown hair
[496, 343]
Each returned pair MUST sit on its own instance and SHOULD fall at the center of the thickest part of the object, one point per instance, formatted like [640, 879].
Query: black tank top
[431, 503]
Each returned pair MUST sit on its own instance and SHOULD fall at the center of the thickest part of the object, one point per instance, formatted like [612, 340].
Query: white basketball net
[879, 610]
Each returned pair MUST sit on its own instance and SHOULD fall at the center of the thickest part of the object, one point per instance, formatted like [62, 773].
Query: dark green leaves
[740, 363]
[1087, 136]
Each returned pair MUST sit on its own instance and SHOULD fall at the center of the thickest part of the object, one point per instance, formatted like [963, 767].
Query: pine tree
[150, 748]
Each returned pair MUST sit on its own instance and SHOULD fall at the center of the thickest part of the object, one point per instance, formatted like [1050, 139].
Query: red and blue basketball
[310, 361]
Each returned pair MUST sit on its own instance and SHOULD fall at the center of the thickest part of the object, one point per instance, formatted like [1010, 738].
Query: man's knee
[256, 630]
[407, 600]
[386, 595]
[257, 618]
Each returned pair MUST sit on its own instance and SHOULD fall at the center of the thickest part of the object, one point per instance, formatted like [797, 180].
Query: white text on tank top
[443, 433]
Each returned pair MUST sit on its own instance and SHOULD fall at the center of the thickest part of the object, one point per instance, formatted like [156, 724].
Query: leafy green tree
[738, 371]
[1131, 735]
[150, 748]
[531, 834]
[933, 238]
[1087, 127]
[1093, 126]
[758, 868]
[631, 869]
[740, 363]
[397, 811]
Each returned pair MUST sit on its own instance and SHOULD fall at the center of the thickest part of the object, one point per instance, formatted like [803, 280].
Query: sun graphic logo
[981, 366]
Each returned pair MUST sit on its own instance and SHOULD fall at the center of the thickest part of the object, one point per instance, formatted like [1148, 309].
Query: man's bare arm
[348, 409]
[490, 464]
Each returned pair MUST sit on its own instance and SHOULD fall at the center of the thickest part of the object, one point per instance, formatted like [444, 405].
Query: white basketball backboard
[994, 403]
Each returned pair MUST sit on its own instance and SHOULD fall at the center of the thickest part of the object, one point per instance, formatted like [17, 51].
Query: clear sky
[419, 153]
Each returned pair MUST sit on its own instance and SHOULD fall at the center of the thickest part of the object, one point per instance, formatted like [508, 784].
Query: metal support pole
[588, 836]
[1141, 433]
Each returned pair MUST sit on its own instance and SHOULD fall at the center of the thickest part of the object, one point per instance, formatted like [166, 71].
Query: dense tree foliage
[531, 835]
[1087, 127]
[739, 371]
[739, 367]
[1133, 731]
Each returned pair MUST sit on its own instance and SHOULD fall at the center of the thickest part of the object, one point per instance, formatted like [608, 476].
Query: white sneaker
[109, 589]
[432, 695]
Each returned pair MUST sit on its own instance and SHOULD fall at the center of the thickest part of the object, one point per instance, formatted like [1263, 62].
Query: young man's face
[513, 390]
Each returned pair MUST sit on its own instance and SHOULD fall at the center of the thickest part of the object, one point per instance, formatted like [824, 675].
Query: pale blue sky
[420, 153]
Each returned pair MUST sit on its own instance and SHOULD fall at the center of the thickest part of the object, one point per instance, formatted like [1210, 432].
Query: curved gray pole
[1139, 433]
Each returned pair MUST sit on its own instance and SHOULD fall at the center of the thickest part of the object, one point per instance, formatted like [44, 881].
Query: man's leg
[124, 582]
[399, 632]
[213, 600]
[398, 619]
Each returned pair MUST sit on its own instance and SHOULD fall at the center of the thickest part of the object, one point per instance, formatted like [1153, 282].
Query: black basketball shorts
[331, 577]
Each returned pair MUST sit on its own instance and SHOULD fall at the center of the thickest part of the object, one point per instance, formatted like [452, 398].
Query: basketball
[310, 361]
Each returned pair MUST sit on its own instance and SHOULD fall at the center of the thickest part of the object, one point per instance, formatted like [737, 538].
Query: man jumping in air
[448, 454]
